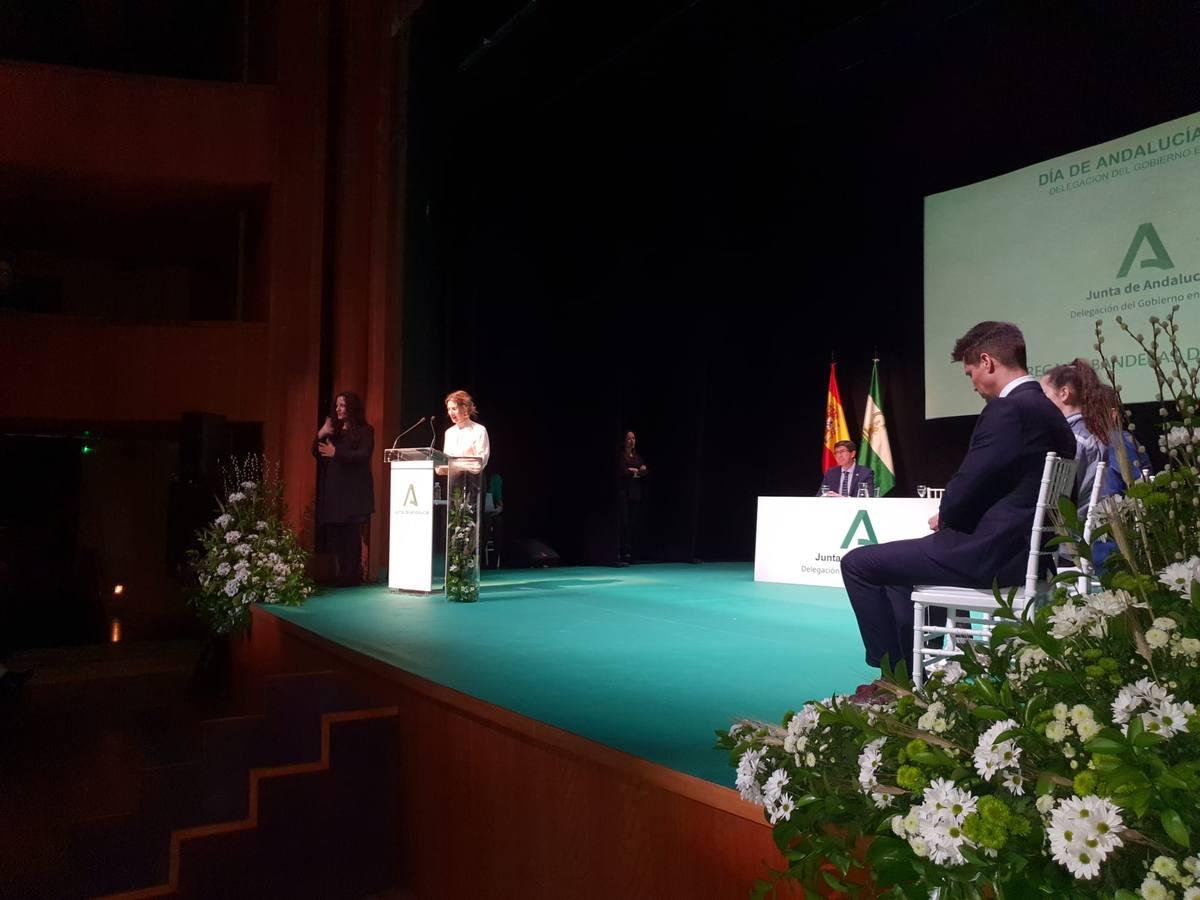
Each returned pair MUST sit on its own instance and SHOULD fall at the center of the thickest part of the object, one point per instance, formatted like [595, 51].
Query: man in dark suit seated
[981, 531]
[843, 480]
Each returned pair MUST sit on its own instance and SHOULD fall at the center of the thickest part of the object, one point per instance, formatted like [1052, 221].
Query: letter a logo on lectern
[861, 519]
[410, 497]
[1160, 260]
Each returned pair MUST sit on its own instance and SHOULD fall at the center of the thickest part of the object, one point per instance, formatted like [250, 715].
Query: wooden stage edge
[495, 804]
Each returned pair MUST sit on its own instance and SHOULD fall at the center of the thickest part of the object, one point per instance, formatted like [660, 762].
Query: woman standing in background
[346, 494]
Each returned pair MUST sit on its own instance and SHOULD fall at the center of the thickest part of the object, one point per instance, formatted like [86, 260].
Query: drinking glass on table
[922, 490]
[864, 491]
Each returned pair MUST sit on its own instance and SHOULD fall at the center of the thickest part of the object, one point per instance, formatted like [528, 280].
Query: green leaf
[1175, 828]
[928, 758]
[1139, 801]
[1147, 739]
[1045, 785]
[1136, 727]
[884, 848]
[1007, 735]
[833, 881]
[1167, 780]
[1038, 703]
[1104, 745]
[1004, 632]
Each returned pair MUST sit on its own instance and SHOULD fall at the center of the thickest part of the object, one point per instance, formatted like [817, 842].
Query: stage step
[309, 732]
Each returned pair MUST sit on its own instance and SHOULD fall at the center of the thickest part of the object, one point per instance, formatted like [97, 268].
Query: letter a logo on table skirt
[865, 521]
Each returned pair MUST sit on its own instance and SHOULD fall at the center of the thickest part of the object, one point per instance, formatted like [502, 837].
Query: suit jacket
[861, 475]
[988, 508]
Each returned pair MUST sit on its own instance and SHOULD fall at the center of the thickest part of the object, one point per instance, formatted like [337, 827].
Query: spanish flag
[835, 421]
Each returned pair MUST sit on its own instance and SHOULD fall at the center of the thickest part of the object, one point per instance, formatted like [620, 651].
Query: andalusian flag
[875, 452]
[835, 421]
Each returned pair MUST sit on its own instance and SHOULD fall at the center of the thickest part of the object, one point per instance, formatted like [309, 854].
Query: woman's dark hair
[355, 415]
[1085, 391]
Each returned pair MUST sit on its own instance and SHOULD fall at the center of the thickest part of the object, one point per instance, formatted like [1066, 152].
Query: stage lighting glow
[114, 631]
[118, 590]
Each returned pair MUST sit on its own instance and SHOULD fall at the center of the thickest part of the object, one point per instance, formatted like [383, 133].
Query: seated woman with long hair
[1076, 391]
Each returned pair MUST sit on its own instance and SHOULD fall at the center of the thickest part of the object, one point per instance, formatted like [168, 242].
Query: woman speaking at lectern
[465, 437]
[346, 495]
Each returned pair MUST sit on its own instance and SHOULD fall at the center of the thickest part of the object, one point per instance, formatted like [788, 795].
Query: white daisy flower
[1068, 619]
[1109, 603]
[1168, 718]
[941, 816]
[991, 758]
[782, 810]
[773, 788]
[1013, 781]
[868, 761]
[748, 769]
[1181, 575]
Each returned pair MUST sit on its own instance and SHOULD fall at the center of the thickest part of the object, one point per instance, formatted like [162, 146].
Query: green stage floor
[649, 659]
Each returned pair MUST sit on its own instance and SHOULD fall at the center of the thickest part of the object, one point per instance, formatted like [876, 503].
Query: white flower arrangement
[1059, 758]
[248, 554]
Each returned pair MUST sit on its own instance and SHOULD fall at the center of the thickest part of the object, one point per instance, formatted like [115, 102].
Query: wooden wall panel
[496, 805]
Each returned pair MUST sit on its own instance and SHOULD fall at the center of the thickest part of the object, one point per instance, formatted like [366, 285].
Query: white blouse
[467, 440]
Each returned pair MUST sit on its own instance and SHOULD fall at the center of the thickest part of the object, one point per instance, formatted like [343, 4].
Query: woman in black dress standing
[346, 494]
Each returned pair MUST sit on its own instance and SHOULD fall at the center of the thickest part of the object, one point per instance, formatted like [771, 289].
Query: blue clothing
[1114, 483]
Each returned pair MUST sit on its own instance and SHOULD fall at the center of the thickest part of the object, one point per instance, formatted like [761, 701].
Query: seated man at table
[981, 531]
[844, 479]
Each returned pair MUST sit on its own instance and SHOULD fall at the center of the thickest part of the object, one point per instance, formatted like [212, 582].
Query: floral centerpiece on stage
[248, 554]
[1059, 758]
[462, 550]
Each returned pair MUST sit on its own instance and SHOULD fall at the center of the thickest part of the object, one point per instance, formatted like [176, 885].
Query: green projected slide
[1107, 231]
